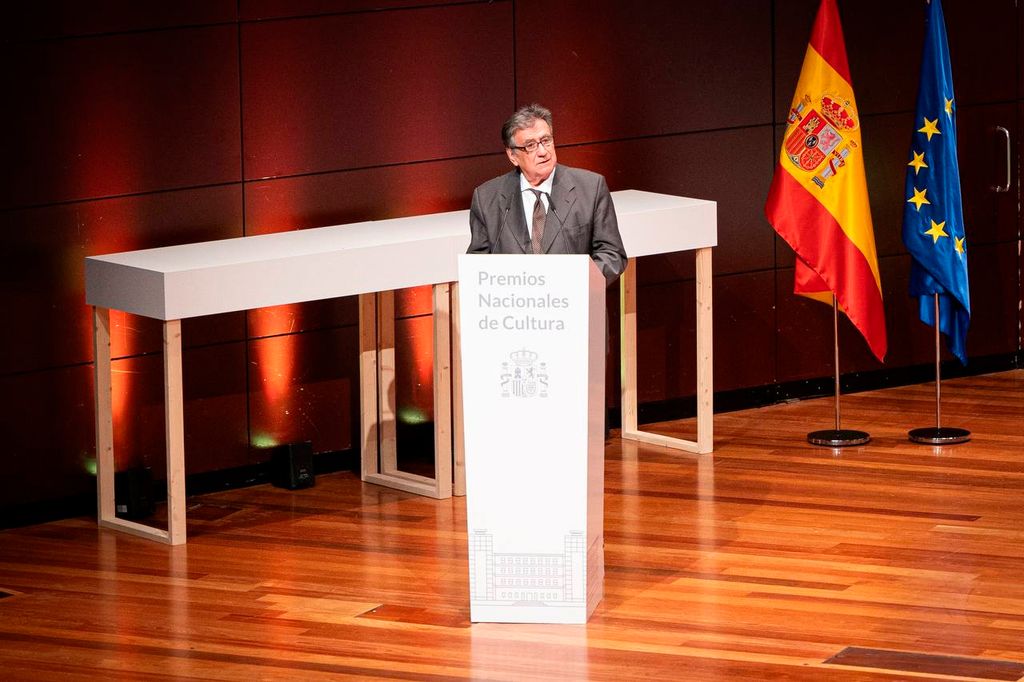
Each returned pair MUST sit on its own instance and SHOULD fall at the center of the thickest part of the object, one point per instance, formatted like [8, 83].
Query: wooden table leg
[442, 391]
[105, 467]
[368, 412]
[174, 411]
[705, 385]
[705, 349]
[458, 434]
[627, 345]
[104, 417]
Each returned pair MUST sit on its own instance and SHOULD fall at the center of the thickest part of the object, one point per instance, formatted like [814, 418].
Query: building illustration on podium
[527, 579]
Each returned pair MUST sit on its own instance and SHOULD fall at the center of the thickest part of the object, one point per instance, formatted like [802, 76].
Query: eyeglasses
[531, 146]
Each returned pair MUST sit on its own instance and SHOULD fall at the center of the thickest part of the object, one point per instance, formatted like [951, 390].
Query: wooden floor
[770, 560]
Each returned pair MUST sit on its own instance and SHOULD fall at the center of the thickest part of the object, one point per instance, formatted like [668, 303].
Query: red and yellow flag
[818, 200]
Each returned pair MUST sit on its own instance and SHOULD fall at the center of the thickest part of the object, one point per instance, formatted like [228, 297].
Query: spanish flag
[818, 200]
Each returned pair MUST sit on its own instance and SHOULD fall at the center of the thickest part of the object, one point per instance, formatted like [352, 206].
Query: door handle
[1006, 186]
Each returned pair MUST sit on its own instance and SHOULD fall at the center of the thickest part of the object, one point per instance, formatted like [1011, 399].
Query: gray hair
[522, 119]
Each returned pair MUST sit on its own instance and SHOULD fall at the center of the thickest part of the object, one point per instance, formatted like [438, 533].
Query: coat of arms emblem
[523, 376]
[818, 140]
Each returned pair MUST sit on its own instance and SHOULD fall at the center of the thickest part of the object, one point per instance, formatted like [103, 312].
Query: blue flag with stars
[933, 223]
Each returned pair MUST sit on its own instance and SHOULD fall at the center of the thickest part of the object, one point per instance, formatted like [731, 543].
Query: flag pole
[939, 434]
[837, 437]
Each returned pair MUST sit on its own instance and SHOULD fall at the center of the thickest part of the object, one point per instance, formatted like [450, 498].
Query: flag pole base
[939, 435]
[838, 438]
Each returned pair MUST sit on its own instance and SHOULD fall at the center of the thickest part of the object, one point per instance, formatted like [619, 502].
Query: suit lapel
[512, 207]
[563, 196]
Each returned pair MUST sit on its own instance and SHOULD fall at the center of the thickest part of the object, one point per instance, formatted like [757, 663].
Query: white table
[369, 259]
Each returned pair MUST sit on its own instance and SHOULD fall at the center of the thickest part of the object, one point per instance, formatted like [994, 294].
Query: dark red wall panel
[305, 387]
[49, 436]
[369, 194]
[666, 354]
[911, 342]
[744, 330]
[731, 167]
[994, 301]
[214, 382]
[886, 142]
[121, 114]
[743, 341]
[44, 284]
[1019, 57]
[804, 335]
[983, 42]
[376, 88]
[66, 18]
[611, 70]
[278, 9]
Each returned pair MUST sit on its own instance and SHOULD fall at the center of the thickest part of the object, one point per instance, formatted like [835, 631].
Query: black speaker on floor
[133, 493]
[291, 465]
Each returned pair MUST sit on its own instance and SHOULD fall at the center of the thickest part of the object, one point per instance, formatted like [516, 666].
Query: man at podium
[542, 207]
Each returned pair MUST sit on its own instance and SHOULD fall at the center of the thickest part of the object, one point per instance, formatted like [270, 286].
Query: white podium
[533, 366]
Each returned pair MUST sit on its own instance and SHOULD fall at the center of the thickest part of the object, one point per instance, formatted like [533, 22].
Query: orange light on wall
[415, 360]
[275, 358]
[423, 344]
[121, 385]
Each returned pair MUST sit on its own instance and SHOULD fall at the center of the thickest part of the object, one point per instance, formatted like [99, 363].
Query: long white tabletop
[368, 259]
[178, 282]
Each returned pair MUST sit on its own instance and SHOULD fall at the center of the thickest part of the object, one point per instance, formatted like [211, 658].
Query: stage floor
[770, 559]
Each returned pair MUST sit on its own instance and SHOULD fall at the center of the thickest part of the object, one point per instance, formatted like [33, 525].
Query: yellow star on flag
[958, 244]
[948, 107]
[930, 128]
[937, 231]
[918, 162]
[919, 198]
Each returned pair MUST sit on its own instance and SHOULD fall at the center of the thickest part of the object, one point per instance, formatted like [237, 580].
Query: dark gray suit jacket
[581, 219]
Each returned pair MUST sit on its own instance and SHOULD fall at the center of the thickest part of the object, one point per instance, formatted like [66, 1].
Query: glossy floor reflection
[771, 559]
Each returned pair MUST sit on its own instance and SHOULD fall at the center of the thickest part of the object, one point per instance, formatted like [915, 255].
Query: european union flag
[933, 222]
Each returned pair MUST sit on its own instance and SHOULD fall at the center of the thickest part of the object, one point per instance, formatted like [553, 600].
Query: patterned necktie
[539, 216]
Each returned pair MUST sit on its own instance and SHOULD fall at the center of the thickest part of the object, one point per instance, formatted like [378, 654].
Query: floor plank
[771, 559]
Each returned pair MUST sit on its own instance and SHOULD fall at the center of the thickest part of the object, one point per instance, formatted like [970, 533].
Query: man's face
[536, 166]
